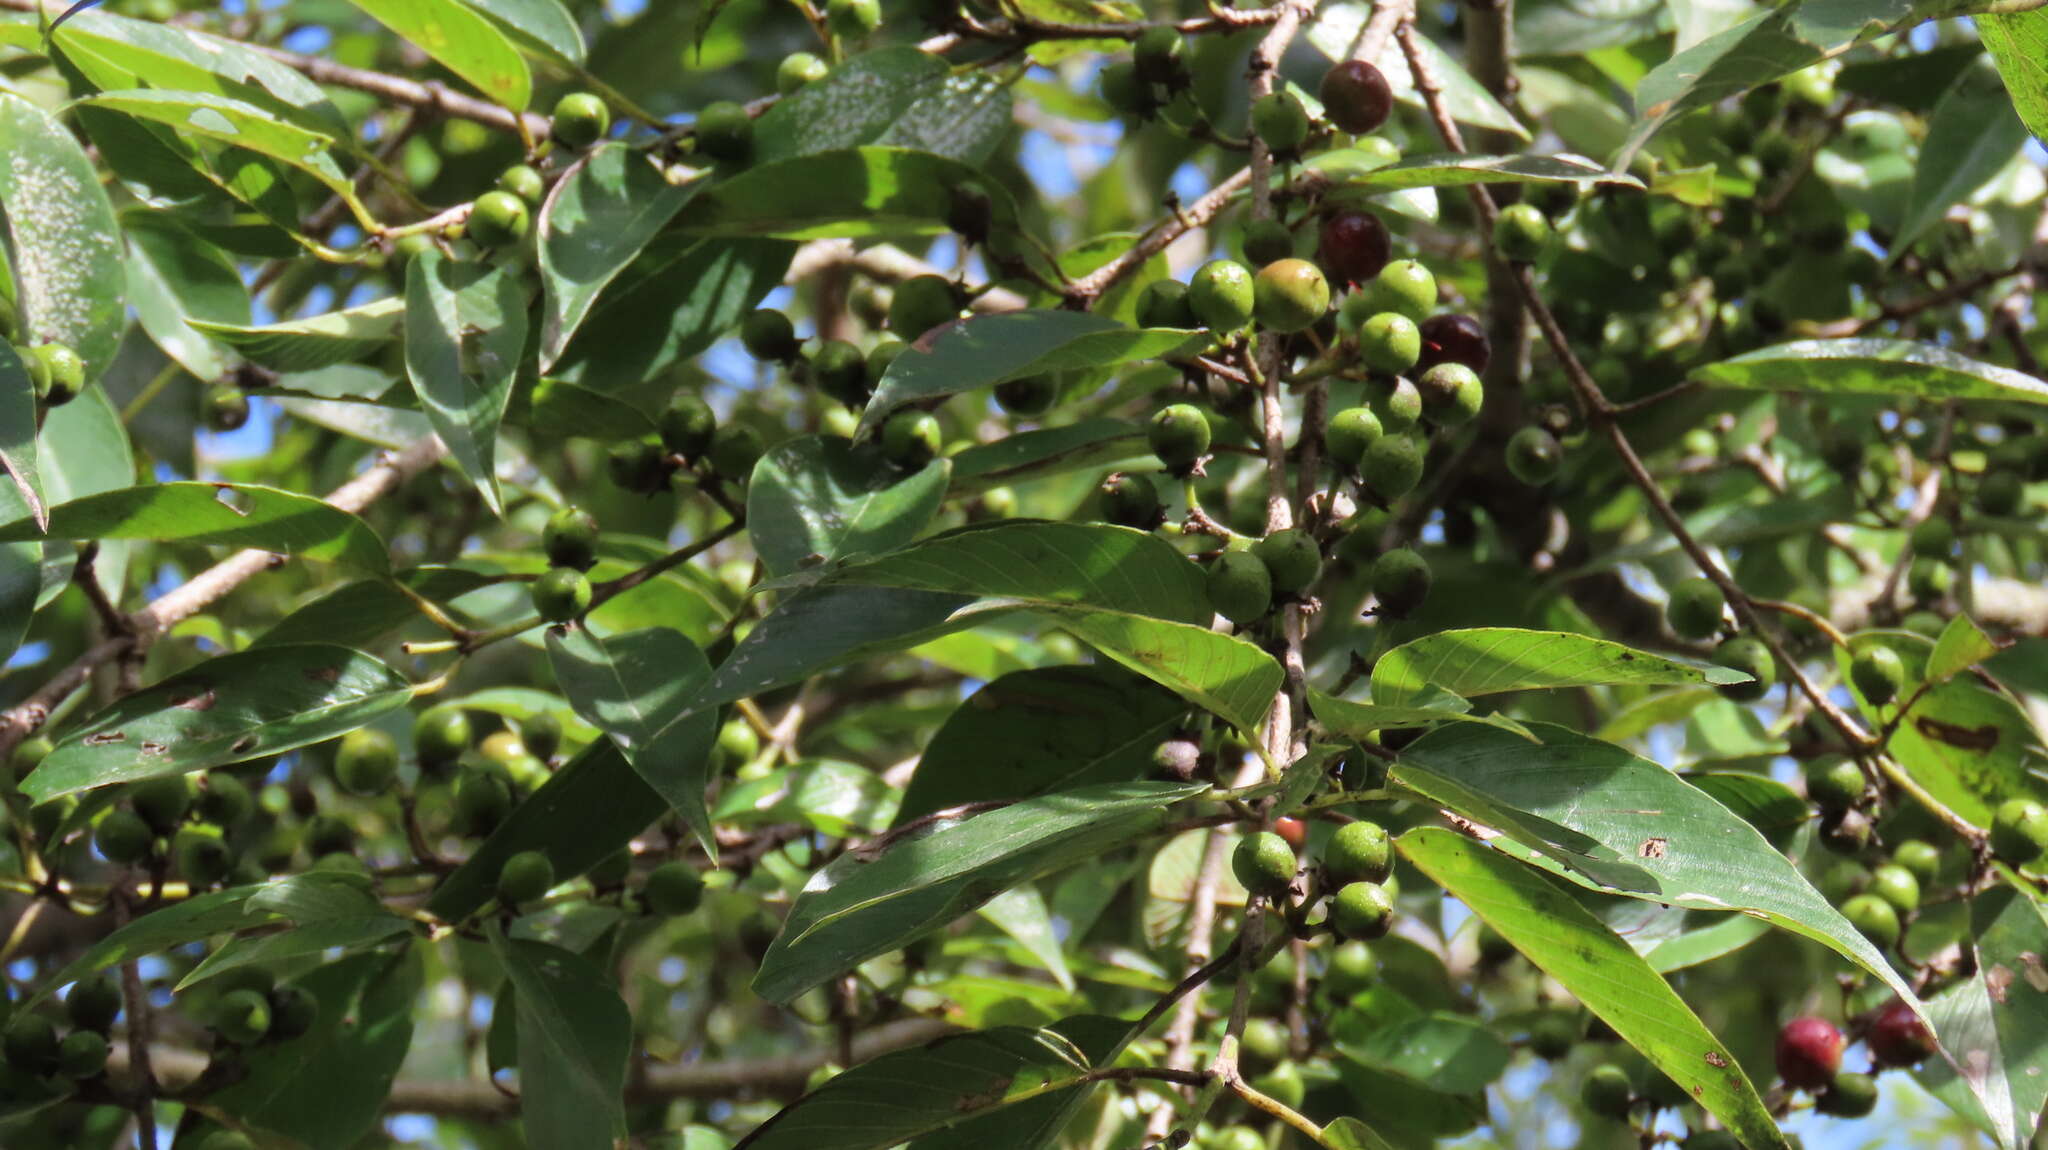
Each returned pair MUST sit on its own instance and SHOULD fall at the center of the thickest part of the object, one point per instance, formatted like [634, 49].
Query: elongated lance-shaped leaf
[460, 39]
[63, 245]
[821, 498]
[1872, 367]
[224, 120]
[18, 436]
[465, 331]
[1564, 940]
[227, 514]
[851, 192]
[596, 220]
[574, 1036]
[1974, 133]
[2019, 42]
[316, 341]
[1993, 1026]
[899, 97]
[1489, 660]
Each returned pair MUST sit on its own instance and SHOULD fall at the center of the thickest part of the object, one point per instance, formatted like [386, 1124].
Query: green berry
[1878, 673]
[569, 539]
[687, 425]
[1848, 1096]
[1694, 609]
[242, 1016]
[366, 763]
[482, 800]
[2019, 831]
[498, 219]
[226, 408]
[31, 1044]
[30, 753]
[162, 802]
[841, 371]
[1452, 394]
[768, 335]
[1029, 395]
[1389, 342]
[329, 834]
[1608, 1092]
[1921, 859]
[201, 857]
[1396, 402]
[880, 357]
[920, 304]
[1897, 886]
[1290, 295]
[123, 838]
[673, 889]
[1534, 456]
[912, 438]
[1164, 303]
[725, 132]
[93, 1003]
[1834, 784]
[1352, 968]
[1264, 864]
[1265, 242]
[524, 181]
[799, 70]
[1350, 432]
[525, 878]
[637, 466]
[1123, 91]
[440, 735]
[1179, 436]
[1750, 656]
[1361, 910]
[66, 372]
[1292, 558]
[1281, 122]
[1553, 1035]
[1404, 286]
[580, 120]
[82, 1054]
[1929, 580]
[1359, 852]
[1392, 466]
[1160, 56]
[1221, 295]
[1521, 233]
[224, 800]
[1874, 918]
[853, 19]
[1240, 587]
[1131, 499]
[1400, 581]
[541, 732]
[292, 1013]
[735, 449]
[1999, 493]
[1233, 1138]
[1934, 537]
[561, 594]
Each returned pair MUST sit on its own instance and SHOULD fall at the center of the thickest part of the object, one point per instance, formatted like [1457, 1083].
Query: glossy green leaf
[175, 277]
[869, 904]
[1488, 660]
[63, 246]
[461, 40]
[822, 499]
[1694, 947]
[18, 449]
[574, 1037]
[1349, 1133]
[825, 626]
[1961, 646]
[673, 302]
[1565, 941]
[237, 124]
[558, 410]
[1359, 720]
[228, 709]
[1035, 1124]
[1633, 827]
[361, 613]
[833, 798]
[2019, 42]
[1453, 170]
[1021, 913]
[597, 219]
[222, 514]
[542, 25]
[989, 349]
[465, 333]
[853, 192]
[1973, 134]
[1994, 1024]
[1223, 674]
[1561, 27]
[1046, 729]
[320, 937]
[895, 97]
[1027, 455]
[1336, 31]
[310, 344]
[1443, 1052]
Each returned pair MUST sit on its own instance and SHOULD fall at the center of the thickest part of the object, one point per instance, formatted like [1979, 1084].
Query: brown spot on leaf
[323, 674]
[1653, 848]
[2035, 971]
[155, 748]
[104, 737]
[1996, 981]
[1717, 1060]
[243, 744]
[201, 701]
[1982, 738]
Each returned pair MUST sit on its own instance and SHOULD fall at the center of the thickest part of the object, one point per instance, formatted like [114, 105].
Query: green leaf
[1035, 454]
[232, 515]
[1564, 940]
[834, 798]
[1696, 947]
[361, 613]
[1336, 30]
[1488, 660]
[558, 410]
[1021, 913]
[895, 97]
[1961, 646]
[1045, 729]
[175, 277]
[1454, 170]
[237, 124]
[636, 688]
[2019, 42]
[327, 1089]
[824, 626]
[1652, 835]
[1569, 27]
[316, 342]
[822, 499]
[1351, 1134]
[228, 709]
[989, 349]
[544, 26]
[1223, 674]
[461, 40]
[1442, 1052]
[1973, 134]
[1994, 1025]
[1358, 720]
[588, 809]
[864, 905]
[596, 221]
[1034, 1125]
[63, 245]
[320, 937]
[854, 192]
[574, 1037]
[465, 331]
[673, 302]
[18, 449]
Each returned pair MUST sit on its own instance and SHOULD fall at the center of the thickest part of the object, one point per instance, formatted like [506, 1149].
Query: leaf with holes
[225, 514]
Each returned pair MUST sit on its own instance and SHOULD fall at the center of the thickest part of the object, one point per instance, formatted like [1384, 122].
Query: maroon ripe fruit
[1453, 338]
[1809, 1053]
[1356, 96]
[1293, 830]
[1353, 246]
[1897, 1037]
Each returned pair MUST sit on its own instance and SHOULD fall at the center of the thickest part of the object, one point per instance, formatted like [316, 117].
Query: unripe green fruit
[1929, 580]
[1240, 588]
[1553, 1035]
[1352, 969]
[1848, 1096]
[2000, 493]
[725, 132]
[242, 1016]
[1350, 433]
[93, 1003]
[1290, 295]
[1608, 1092]
[1131, 499]
[482, 800]
[768, 335]
[162, 802]
[841, 371]
[1164, 303]
[1694, 609]
[292, 1013]
[1028, 396]
[687, 425]
[673, 889]
[1292, 558]
[525, 878]
[1221, 295]
[1264, 864]
[202, 858]
[542, 734]
[735, 448]
[912, 438]
[440, 735]
[30, 753]
[738, 742]
[2019, 831]
[853, 19]
[1751, 657]
[798, 70]
[1359, 852]
[569, 539]
[580, 120]
[1281, 122]
[1392, 466]
[1404, 287]
[1921, 859]
[1389, 342]
[31, 1045]
[1934, 537]
[1263, 1044]
[257, 978]
[1452, 394]
[329, 834]
[880, 357]
[1234, 1138]
[1361, 910]
[366, 762]
[1879, 674]
[1874, 918]
[1283, 1084]
[1179, 436]
[1160, 56]
[224, 801]
[1834, 784]
[637, 466]
[1400, 581]
[920, 304]
[1521, 233]
[1125, 92]
[524, 181]
[611, 871]
[66, 371]
[498, 219]
[226, 408]
[123, 838]
[561, 594]
[1534, 456]
[1897, 886]
[1397, 403]
[1265, 242]
[82, 1054]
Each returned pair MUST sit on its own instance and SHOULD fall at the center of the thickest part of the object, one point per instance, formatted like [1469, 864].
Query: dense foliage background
[598, 574]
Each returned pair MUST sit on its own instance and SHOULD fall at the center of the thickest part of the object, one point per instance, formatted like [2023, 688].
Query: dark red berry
[1353, 246]
[1453, 338]
[1293, 830]
[1356, 96]
[1809, 1053]
[1897, 1037]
